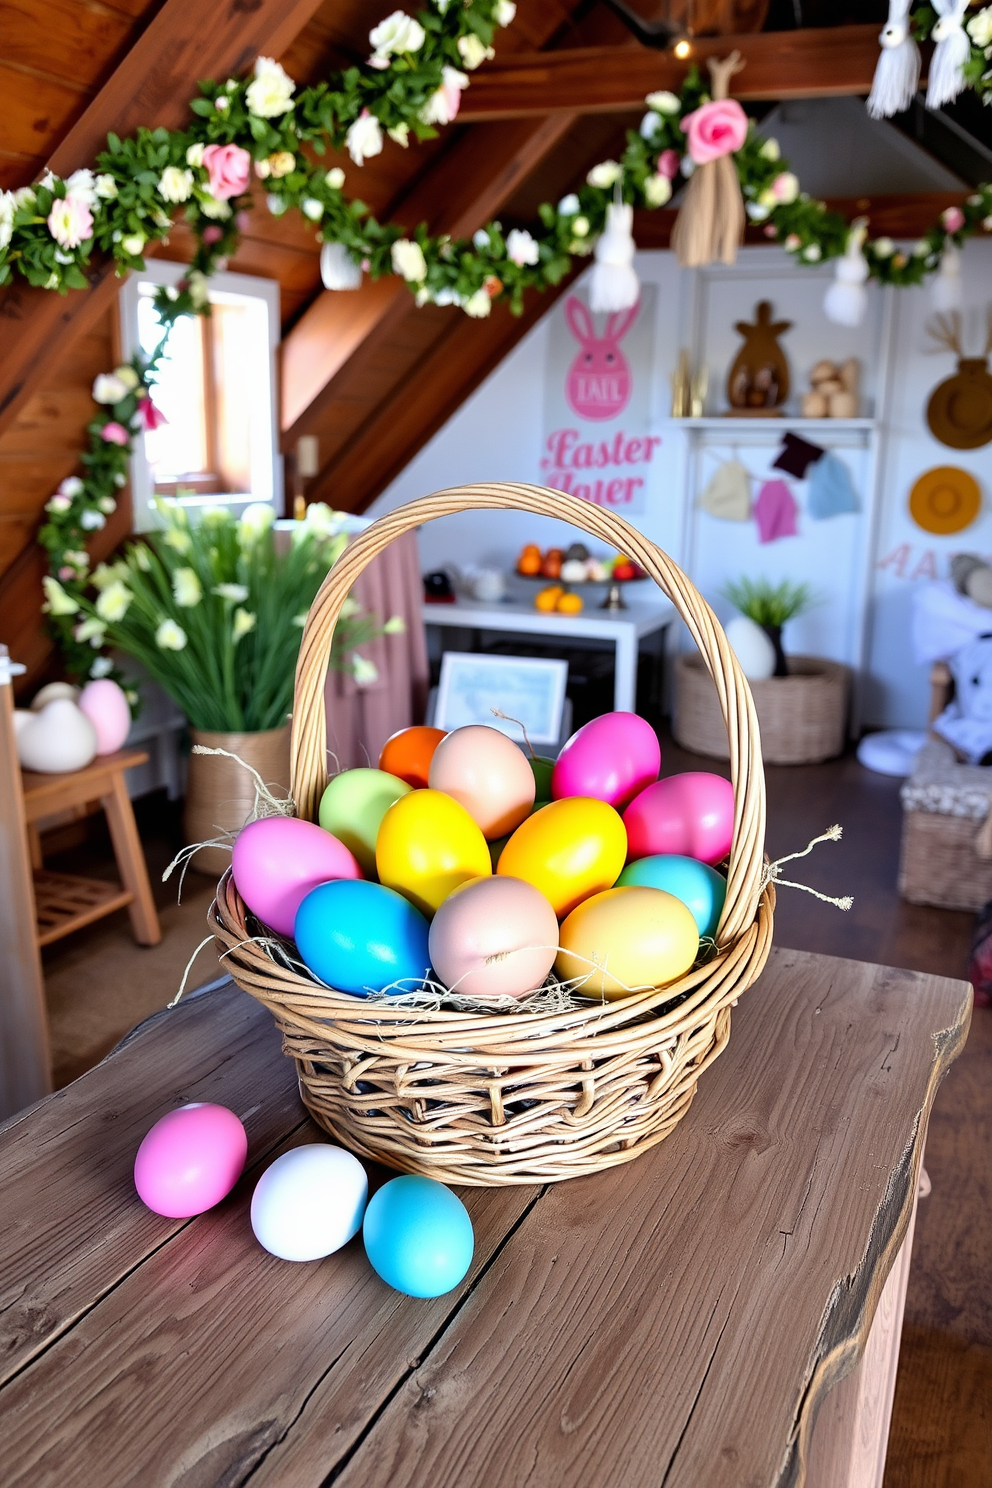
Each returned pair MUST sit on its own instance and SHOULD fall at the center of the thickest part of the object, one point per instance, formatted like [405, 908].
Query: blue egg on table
[361, 937]
[701, 889]
[418, 1236]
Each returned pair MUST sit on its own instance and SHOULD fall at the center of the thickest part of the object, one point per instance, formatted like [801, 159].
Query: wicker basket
[475, 1098]
[802, 717]
[944, 858]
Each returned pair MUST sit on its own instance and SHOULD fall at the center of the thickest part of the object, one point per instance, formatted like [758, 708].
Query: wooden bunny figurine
[758, 382]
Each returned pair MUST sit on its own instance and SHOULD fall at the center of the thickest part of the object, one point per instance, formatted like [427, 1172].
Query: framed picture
[529, 689]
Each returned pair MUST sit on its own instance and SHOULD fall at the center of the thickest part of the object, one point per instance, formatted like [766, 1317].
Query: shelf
[786, 422]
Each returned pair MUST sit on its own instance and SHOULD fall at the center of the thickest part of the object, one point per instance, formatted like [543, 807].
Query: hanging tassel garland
[846, 300]
[897, 74]
[710, 225]
[952, 51]
[945, 293]
[338, 270]
[613, 284]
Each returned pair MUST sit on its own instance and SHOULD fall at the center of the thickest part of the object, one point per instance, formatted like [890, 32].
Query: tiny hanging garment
[728, 494]
[796, 456]
[830, 490]
[775, 512]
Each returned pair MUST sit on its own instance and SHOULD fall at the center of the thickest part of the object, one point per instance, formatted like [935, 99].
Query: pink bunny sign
[599, 381]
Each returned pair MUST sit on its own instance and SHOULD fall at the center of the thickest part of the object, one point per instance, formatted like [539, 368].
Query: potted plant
[214, 611]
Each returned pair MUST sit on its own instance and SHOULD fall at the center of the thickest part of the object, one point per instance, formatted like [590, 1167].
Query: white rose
[884, 247]
[396, 34]
[82, 186]
[175, 184]
[569, 205]
[108, 388]
[187, 588]
[979, 28]
[580, 227]
[664, 102]
[194, 155]
[478, 305]
[401, 134]
[408, 260]
[24, 196]
[605, 174]
[504, 12]
[133, 244]
[444, 102]
[114, 602]
[521, 248]
[312, 208]
[105, 187]
[270, 93]
[481, 240]
[244, 623]
[8, 206]
[57, 504]
[92, 521]
[473, 52]
[170, 637]
[211, 206]
[335, 178]
[275, 204]
[126, 374]
[364, 138]
[657, 190]
[786, 188]
[770, 150]
[813, 253]
[107, 505]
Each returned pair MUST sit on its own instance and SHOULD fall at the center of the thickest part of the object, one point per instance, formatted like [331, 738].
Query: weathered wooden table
[678, 1321]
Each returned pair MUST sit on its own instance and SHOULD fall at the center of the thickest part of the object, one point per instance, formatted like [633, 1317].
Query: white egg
[752, 647]
[574, 571]
[50, 692]
[309, 1202]
[56, 739]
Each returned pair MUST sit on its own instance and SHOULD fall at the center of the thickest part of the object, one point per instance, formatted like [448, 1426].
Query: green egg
[352, 807]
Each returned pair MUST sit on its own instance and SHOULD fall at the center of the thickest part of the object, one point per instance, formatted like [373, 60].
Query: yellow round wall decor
[945, 500]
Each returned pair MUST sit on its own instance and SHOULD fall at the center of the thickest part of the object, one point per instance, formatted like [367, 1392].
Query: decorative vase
[220, 793]
[774, 634]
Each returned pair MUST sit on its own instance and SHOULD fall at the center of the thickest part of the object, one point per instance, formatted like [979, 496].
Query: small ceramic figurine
[758, 382]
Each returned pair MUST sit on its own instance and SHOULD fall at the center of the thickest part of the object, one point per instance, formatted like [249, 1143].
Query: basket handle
[309, 735]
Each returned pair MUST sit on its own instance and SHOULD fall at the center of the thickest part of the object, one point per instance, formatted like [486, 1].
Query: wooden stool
[65, 902]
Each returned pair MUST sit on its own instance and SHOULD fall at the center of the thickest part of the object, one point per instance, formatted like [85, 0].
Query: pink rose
[228, 169]
[715, 129]
[151, 417]
[213, 233]
[115, 433]
[953, 219]
[70, 221]
[668, 164]
[65, 572]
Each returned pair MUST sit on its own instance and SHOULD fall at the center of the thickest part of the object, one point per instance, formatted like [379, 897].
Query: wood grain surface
[674, 1321]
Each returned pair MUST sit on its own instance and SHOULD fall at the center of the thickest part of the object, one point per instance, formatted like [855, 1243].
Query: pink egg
[494, 937]
[690, 814]
[278, 860]
[611, 759]
[108, 711]
[190, 1160]
[487, 774]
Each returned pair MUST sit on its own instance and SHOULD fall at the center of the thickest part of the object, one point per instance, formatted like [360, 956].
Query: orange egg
[408, 753]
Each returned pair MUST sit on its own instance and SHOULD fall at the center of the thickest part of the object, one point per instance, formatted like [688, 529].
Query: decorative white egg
[574, 571]
[753, 649]
[50, 692]
[56, 739]
[309, 1202]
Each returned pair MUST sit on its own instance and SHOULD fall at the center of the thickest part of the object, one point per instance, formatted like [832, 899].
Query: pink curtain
[361, 719]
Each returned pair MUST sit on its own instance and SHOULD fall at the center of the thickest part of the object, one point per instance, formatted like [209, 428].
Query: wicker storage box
[496, 1098]
[802, 717]
[945, 858]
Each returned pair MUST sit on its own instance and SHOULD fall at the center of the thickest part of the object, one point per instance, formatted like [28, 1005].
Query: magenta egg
[190, 1160]
[108, 711]
[611, 759]
[278, 860]
[690, 814]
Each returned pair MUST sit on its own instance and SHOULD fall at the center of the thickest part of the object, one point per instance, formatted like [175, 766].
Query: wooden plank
[63, 38]
[820, 62]
[37, 110]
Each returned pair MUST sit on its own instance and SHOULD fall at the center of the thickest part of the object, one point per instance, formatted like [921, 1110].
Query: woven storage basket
[801, 716]
[943, 858]
[476, 1098]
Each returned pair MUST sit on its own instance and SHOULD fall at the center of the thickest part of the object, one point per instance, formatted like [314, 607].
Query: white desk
[625, 628]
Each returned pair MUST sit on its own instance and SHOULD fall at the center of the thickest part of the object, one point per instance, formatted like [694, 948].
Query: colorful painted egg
[408, 754]
[488, 774]
[567, 850]
[309, 1202]
[418, 1236]
[278, 860]
[361, 937]
[108, 711]
[494, 937]
[428, 845]
[701, 889]
[190, 1160]
[625, 940]
[690, 814]
[352, 808]
[611, 758]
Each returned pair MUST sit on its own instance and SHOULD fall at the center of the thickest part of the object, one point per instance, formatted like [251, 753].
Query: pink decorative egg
[690, 814]
[190, 1160]
[108, 711]
[494, 937]
[610, 759]
[278, 860]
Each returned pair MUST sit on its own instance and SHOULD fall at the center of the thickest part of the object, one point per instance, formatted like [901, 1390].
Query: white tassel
[946, 293]
[338, 269]
[846, 300]
[950, 54]
[897, 73]
[614, 285]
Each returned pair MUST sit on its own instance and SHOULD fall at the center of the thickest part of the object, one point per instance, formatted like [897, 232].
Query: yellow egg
[625, 940]
[569, 850]
[428, 845]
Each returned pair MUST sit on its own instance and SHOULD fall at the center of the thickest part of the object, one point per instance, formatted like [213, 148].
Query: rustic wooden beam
[152, 86]
[814, 63]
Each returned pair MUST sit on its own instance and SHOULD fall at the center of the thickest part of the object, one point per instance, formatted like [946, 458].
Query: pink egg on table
[190, 1160]
[611, 758]
[279, 859]
[108, 711]
[691, 814]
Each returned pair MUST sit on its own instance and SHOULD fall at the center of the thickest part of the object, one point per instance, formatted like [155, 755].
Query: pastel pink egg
[278, 860]
[611, 758]
[108, 711]
[190, 1160]
[494, 937]
[690, 814]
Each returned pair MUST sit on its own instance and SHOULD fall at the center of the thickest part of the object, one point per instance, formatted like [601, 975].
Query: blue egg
[418, 1236]
[701, 889]
[361, 937]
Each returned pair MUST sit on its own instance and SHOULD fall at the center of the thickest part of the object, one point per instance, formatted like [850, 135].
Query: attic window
[216, 389]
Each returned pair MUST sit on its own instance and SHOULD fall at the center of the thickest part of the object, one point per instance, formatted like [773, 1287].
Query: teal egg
[701, 889]
[418, 1236]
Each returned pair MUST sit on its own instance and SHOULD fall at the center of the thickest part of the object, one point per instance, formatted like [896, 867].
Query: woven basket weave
[476, 1098]
[802, 716]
